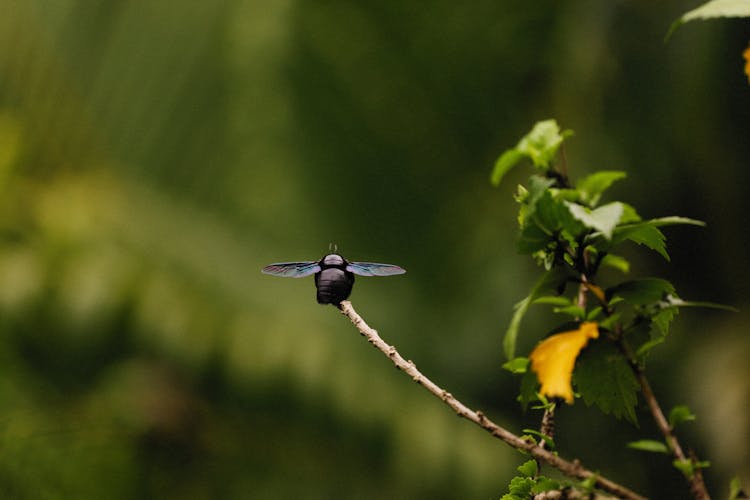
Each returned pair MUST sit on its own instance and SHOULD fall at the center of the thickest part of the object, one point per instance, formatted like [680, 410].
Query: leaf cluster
[572, 234]
[529, 483]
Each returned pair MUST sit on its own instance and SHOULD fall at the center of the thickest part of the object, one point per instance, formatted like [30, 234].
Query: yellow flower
[746, 55]
[553, 360]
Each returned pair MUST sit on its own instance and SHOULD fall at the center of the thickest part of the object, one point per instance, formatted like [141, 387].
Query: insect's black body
[334, 275]
[334, 282]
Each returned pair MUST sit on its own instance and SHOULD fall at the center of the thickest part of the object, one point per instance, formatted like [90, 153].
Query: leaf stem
[569, 468]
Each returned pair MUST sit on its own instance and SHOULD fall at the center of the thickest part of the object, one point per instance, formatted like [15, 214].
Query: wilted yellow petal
[746, 55]
[554, 358]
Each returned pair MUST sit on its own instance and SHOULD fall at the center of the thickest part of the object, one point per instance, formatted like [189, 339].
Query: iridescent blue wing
[292, 269]
[374, 269]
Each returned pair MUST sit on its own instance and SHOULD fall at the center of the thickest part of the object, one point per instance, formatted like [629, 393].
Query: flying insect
[334, 275]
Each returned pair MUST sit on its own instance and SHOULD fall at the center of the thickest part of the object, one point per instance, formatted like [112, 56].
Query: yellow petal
[746, 55]
[553, 360]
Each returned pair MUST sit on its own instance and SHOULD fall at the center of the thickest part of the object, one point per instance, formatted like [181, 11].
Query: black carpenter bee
[334, 275]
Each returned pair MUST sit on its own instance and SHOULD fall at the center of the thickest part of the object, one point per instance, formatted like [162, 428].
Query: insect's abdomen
[334, 285]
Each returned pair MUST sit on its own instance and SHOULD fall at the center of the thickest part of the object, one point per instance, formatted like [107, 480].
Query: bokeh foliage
[153, 157]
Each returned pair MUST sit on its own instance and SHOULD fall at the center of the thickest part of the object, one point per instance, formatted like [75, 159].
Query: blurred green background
[155, 155]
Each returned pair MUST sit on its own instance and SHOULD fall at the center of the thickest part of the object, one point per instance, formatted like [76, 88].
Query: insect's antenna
[333, 247]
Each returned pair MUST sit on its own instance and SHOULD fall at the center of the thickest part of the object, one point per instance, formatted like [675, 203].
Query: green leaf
[594, 313]
[547, 439]
[537, 235]
[538, 186]
[517, 365]
[712, 10]
[528, 391]
[642, 291]
[603, 219]
[509, 341]
[592, 186]
[719, 8]
[735, 489]
[674, 221]
[604, 378]
[629, 215]
[553, 300]
[522, 194]
[550, 213]
[519, 488]
[659, 328]
[534, 238]
[589, 483]
[680, 414]
[507, 160]
[649, 445]
[528, 468]
[647, 232]
[542, 143]
[609, 322]
[567, 194]
[616, 262]
[662, 320]
[550, 280]
[546, 222]
[540, 146]
[577, 312]
[646, 347]
[544, 483]
[642, 233]
[544, 403]
[687, 466]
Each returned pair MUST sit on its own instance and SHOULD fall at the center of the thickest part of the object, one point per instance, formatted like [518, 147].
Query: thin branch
[697, 485]
[571, 469]
[695, 481]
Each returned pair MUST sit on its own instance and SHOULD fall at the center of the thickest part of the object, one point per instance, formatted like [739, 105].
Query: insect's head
[333, 259]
